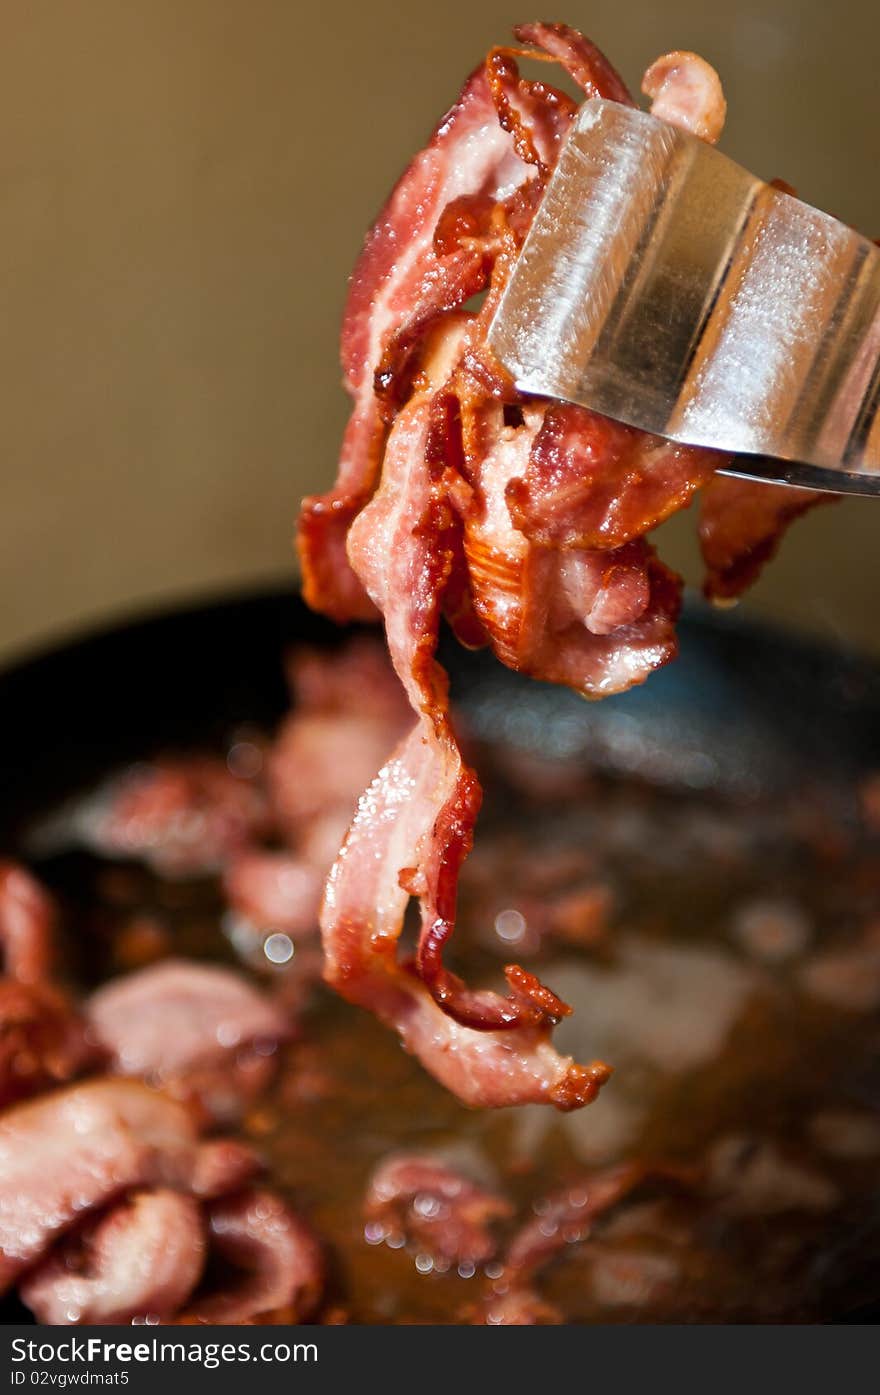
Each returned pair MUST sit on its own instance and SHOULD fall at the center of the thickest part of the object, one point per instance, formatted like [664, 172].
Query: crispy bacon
[276, 1262]
[362, 917]
[741, 526]
[435, 1206]
[595, 620]
[27, 924]
[401, 282]
[43, 1041]
[685, 90]
[523, 521]
[200, 1031]
[183, 815]
[582, 60]
[137, 1262]
[397, 546]
[275, 890]
[78, 1149]
[595, 483]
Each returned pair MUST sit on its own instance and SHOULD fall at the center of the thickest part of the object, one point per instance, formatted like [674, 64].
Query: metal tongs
[665, 286]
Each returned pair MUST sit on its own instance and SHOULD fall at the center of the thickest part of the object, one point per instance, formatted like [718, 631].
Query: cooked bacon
[223, 1165]
[568, 1215]
[138, 1262]
[741, 526]
[78, 1149]
[361, 921]
[27, 925]
[275, 890]
[276, 1256]
[582, 60]
[43, 1041]
[404, 546]
[397, 547]
[435, 1206]
[597, 621]
[522, 521]
[348, 713]
[685, 90]
[410, 271]
[182, 815]
[591, 482]
[322, 762]
[198, 1030]
[399, 285]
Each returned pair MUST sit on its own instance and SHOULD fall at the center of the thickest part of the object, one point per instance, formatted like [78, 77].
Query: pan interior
[728, 979]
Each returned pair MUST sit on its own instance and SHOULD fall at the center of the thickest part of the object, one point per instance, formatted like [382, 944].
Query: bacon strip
[595, 620]
[400, 282]
[742, 524]
[523, 521]
[139, 1261]
[399, 548]
[27, 925]
[43, 1041]
[78, 1149]
[435, 1206]
[595, 483]
[582, 60]
[685, 90]
[362, 917]
[277, 1258]
[200, 1031]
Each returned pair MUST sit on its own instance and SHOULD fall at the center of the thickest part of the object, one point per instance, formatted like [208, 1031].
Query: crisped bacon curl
[522, 521]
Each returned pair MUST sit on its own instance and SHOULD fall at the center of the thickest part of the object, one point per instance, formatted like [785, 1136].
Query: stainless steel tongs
[665, 286]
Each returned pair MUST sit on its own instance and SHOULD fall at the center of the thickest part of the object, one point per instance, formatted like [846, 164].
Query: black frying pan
[744, 711]
[742, 708]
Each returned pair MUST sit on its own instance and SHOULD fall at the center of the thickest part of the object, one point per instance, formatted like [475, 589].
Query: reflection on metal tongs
[665, 286]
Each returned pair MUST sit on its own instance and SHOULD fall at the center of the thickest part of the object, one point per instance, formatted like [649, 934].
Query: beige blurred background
[184, 185]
